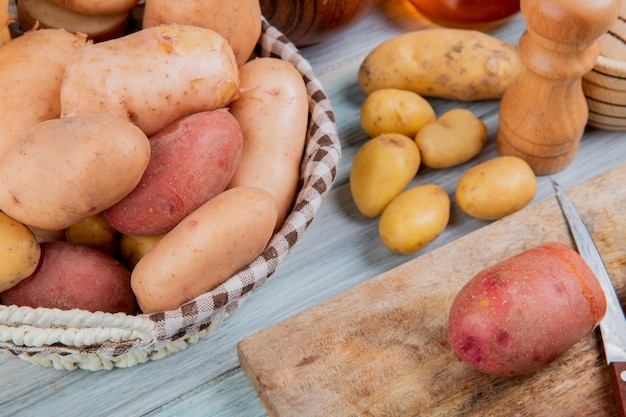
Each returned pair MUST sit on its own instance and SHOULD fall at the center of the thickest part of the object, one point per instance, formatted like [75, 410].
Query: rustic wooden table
[339, 251]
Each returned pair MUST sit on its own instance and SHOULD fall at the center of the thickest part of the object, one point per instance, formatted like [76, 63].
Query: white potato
[152, 77]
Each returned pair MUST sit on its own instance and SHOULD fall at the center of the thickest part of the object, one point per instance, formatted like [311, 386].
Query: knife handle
[618, 383]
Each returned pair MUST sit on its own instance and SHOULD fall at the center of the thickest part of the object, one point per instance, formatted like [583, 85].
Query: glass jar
[468, 14]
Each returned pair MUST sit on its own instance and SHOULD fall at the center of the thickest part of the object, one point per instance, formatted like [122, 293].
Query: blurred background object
[306, 22]
[468, 14]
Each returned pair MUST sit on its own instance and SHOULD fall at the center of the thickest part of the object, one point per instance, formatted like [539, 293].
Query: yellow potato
[238, 21]
[133, 248]
[496, 188]
[153, 77]
[448, 63]
[390, 110]
[381, 169]
[94, 231]
[64, 170]
[205, 249]
[30, 79]
[414, 218]
[456, 137]
[19, 252]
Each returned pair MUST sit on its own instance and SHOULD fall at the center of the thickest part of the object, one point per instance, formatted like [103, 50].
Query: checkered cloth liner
[80, 339]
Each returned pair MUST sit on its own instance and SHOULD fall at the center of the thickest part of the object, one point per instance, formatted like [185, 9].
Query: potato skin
[414, 219]
[238, 21]
[198, 64]
[64, 170]
[95, 232]
[456, 137]
[205, 249]
[519, 315]
[390, 110]
[19, 252]
[133, 248]
[29, 95]
[191, 161]
[496, 188]
[456, 64]
[381, 169]
[97, 7]
[273, 113]
[74, 276]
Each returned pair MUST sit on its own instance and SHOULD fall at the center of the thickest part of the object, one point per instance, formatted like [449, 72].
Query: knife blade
[613, 325]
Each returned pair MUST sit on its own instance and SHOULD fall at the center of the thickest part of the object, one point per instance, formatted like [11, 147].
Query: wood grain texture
[380, 349]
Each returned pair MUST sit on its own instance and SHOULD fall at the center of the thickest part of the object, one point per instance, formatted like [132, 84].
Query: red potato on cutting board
[517, 316]
[191, 161]
[152, 77]
[75, 276]
[29, 94]
[272, 111]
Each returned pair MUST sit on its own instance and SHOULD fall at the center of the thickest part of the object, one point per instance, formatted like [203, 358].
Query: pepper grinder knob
[543, 115]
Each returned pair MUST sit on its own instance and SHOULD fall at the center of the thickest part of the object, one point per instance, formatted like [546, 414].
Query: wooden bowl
[605, 85]
[306, 22]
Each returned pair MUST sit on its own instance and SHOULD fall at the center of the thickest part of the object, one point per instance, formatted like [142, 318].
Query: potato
[456, 137]
[96, 7]
[210, 245]
[74, 276]
[496, 188]
[520, 314]
[381, 169]
[93, 231]
[456, 64]
[154, 76]
[390, 110]
[238, 21]
[30, 80]
[133, 248]
[414, 219]
[5, 21]
[192, 160]
[64, 170]
[19, 252]
[273, 113]
[47, 14]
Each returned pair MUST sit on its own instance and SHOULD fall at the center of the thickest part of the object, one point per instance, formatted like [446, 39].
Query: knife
[613, 325]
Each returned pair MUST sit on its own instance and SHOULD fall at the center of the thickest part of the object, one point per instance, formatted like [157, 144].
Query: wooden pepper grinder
[543, 115]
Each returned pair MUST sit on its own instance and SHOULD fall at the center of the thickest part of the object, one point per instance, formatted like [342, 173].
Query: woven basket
[74, 339]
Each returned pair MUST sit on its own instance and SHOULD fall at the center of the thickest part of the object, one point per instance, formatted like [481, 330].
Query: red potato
[273, 113]
[73, 276]
[517, 316]
[30, 79]
[192, 160]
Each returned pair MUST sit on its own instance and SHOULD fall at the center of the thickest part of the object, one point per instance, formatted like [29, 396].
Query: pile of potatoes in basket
[139, 172]
[404, 132]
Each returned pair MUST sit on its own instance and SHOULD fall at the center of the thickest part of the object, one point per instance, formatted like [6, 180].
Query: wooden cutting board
[380, 348]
